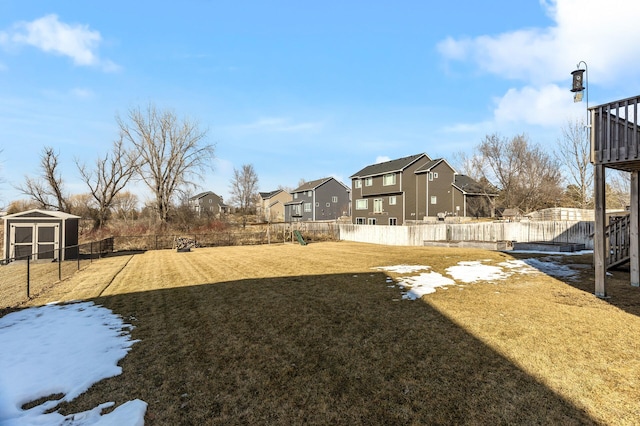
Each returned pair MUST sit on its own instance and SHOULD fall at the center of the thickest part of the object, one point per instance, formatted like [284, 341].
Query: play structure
[299, 238]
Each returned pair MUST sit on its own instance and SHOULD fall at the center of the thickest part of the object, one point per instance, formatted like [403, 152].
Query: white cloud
[581, 30]
[382, 159]
[544, 106]
[50, 35]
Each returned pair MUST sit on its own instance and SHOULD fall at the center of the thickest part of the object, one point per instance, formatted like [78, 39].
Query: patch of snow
[404, 269]
[62, 349]
[472, 271]
[425, 283]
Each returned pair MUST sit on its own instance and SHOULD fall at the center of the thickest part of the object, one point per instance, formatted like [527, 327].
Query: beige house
[271, 205]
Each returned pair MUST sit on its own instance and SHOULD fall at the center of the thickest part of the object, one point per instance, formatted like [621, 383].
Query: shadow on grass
[330, 349]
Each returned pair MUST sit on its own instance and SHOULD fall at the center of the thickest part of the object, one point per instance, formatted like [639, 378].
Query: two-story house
[208, 204]
[322, 199]
[412, 189]
[271, 205]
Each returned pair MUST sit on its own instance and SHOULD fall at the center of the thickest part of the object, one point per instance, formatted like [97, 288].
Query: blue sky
[303, 90]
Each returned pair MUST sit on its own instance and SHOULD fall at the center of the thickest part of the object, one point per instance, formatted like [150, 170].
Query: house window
[371, 221]
[368, 181]
[393, 221]
[295, 210]
[295, 196]
[360, 221]
[392, 200]
[307, 207]
[309, 193]
[389, 179]
[430, 175]
[377, 205]
[210, 201]
[434, 199]
[362, 204]
[435, 175]
[334, 199]
[357, 183]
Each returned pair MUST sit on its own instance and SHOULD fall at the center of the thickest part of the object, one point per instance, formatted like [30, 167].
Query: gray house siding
[322, 199]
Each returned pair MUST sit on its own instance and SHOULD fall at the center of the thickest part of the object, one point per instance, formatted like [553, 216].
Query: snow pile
[62, 349]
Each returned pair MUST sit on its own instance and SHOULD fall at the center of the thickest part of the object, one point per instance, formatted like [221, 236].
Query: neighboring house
[208, 204]
[322, 199]
[412, 189]
[271, 205]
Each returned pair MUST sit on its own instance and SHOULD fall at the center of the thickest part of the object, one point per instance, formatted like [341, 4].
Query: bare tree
[244, 188]
[618, 189]
[171, 152]
[47, 190]
[526, 176]
[110, 175]
[125, 205]
[574, 154]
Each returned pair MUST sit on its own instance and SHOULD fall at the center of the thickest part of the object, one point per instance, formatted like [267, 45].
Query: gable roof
[38, 213]
[202, 195]
[470, 186]
[314, 184]
[396, 165]
[267, 195]
[426, 167]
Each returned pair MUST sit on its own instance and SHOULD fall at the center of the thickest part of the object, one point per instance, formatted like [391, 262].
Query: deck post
[599, 240]
[634, 243]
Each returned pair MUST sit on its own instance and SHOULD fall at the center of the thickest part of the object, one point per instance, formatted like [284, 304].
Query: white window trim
[368, 181]
[393, 200]
[378, 206]
[389, 175]
[362, 204]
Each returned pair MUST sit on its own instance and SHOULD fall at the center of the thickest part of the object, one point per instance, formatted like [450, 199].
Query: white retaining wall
[576, 232]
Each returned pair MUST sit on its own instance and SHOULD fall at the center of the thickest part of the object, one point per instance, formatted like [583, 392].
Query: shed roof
[38, 213]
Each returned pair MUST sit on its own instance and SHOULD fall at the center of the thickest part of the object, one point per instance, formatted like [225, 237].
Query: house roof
[267, 195]
[426, 167]
[396, 165]
[308, 186]
[470, 186]
[202, 194]
[37, 213]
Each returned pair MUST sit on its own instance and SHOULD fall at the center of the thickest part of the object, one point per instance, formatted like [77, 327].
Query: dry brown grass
[285, 334]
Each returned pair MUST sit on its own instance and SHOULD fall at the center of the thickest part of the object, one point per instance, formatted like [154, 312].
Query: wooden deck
[615, 136]
[615, 144]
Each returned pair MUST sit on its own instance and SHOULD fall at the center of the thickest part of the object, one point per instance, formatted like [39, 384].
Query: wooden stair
[619, 240]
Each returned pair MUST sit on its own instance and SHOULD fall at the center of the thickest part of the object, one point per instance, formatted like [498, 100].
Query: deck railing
[618, 237]
[615, 136]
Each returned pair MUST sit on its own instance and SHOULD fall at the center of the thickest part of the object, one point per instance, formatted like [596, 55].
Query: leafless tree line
[164, 152]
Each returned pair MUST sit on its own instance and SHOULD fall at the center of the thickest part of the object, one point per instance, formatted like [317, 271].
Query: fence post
[59, 264]
[28, 277]
[156, 241]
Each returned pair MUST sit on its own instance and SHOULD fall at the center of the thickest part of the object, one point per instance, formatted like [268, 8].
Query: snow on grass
[62, 349]
[466, 272]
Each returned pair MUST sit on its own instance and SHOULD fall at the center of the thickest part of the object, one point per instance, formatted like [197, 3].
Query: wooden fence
[575, 232]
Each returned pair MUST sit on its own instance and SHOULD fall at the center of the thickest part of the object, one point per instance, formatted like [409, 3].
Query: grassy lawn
[285, 334]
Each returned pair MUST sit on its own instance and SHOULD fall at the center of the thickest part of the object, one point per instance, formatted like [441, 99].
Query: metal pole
[28, 276]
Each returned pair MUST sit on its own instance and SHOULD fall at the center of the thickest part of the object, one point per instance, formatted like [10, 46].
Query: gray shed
[40, 234]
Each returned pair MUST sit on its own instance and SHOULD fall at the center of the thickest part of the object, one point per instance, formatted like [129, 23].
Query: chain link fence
[24, 277]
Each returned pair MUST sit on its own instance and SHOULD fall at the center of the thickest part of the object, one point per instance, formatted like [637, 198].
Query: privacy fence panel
[575, 232]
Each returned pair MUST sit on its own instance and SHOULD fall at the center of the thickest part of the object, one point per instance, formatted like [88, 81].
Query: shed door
[47, 241]
[21, 241]
[40, 241]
